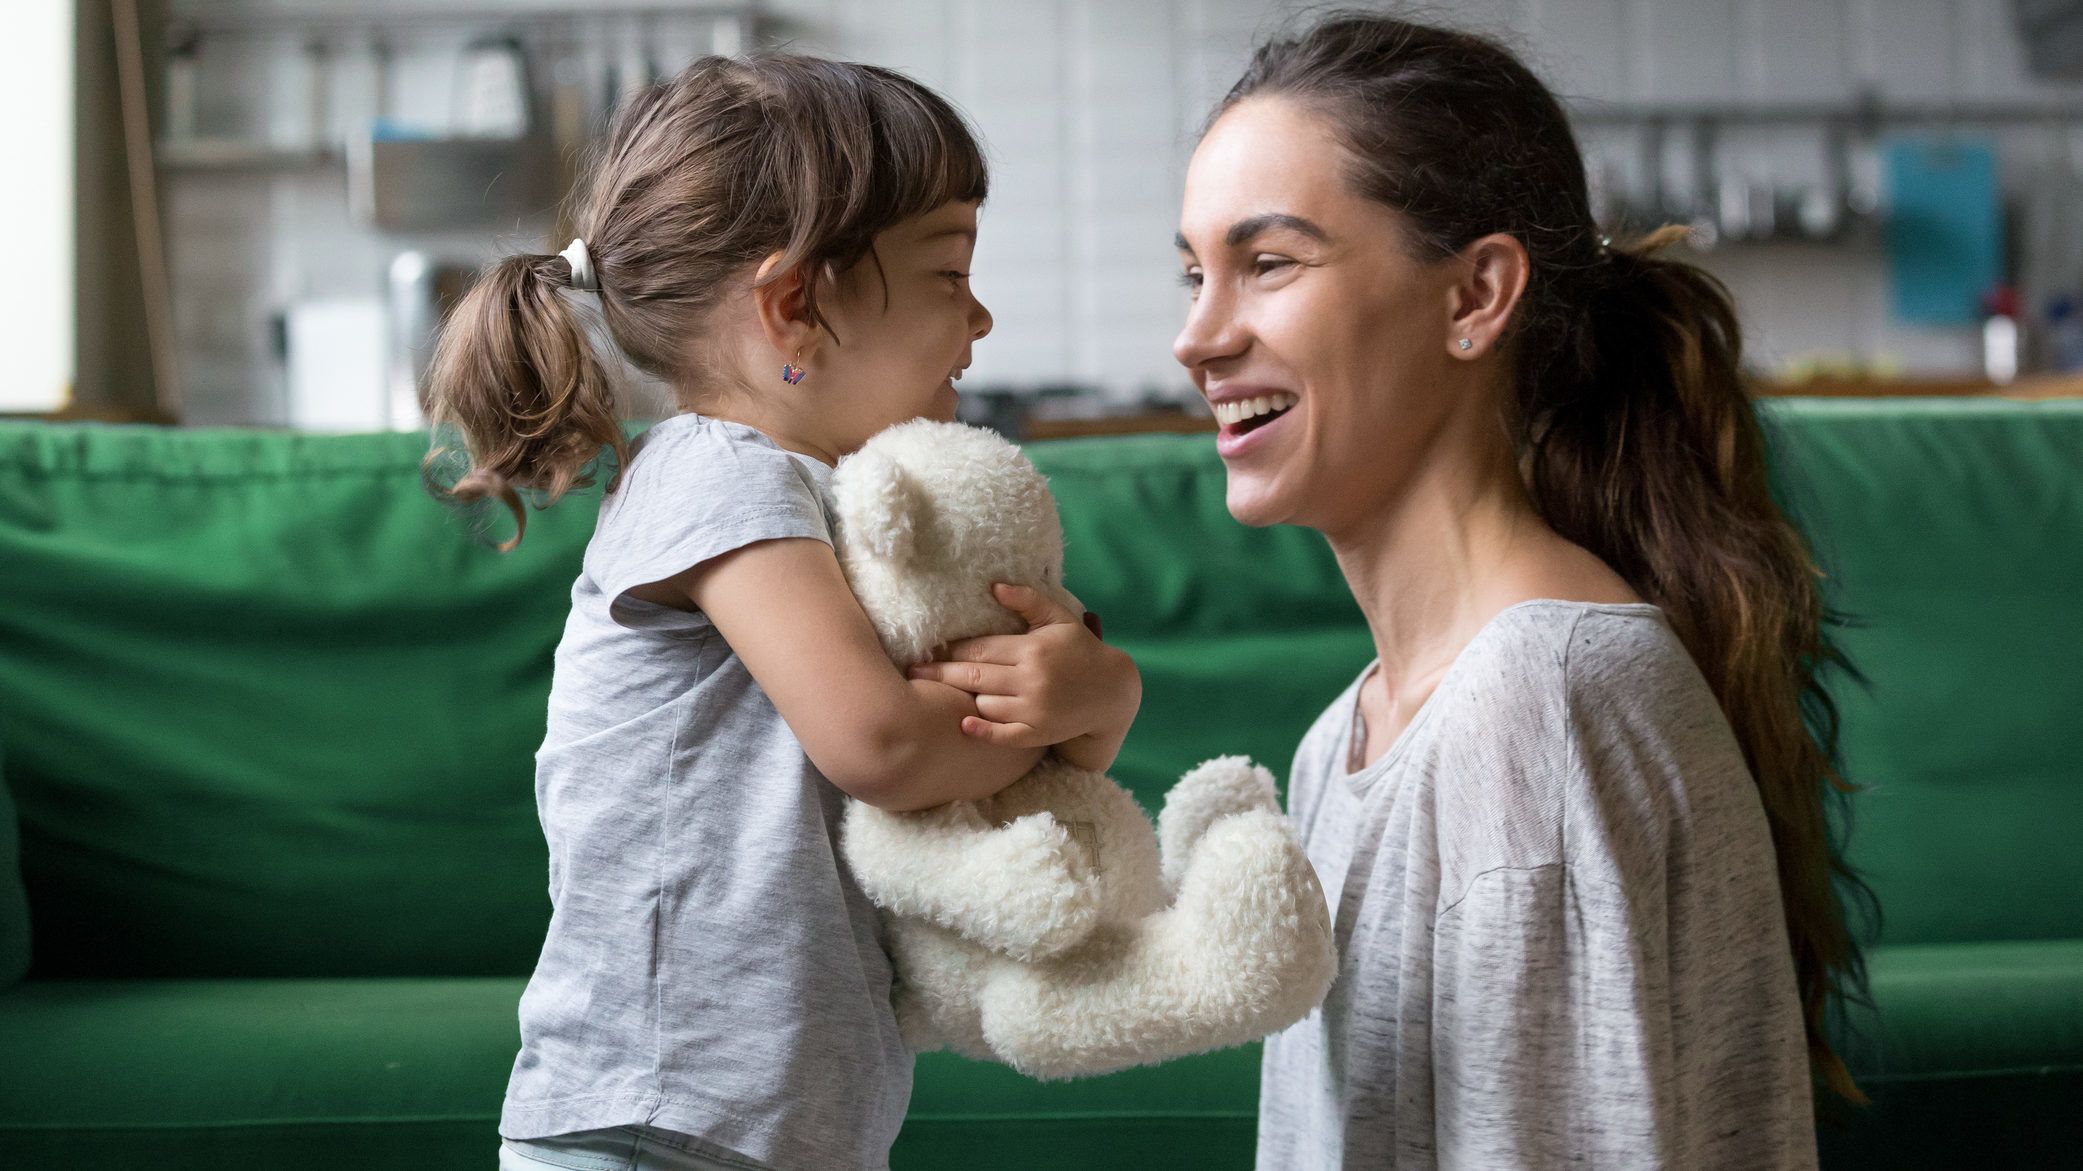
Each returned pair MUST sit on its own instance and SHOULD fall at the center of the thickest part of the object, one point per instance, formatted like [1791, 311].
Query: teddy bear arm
[1024, 889]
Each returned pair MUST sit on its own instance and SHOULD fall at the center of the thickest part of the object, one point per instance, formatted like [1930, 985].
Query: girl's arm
[892, 742]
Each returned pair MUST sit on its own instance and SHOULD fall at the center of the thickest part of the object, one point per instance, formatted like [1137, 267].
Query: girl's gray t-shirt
[711, 967]
[1558, 919]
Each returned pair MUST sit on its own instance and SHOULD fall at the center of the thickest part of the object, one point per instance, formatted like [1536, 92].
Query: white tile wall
[1090, 109]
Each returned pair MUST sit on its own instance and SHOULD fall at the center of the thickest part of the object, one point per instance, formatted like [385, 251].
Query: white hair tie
[581, 266]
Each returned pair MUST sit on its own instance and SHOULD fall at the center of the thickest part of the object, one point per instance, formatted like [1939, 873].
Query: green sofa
[268, 714]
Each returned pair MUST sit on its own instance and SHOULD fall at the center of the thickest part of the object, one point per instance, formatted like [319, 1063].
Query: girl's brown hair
[1636, 436]
[701, 176]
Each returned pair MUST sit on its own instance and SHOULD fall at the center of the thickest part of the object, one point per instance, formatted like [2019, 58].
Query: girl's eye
[952, 275]
[1268, 265]
[1190, 280]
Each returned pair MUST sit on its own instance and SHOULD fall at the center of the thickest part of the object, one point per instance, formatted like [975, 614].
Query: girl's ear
[781, 302]
[882, 507]
[1493, 275]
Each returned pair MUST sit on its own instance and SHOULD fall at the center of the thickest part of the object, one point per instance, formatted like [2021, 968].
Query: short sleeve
[691, 496]
[1551, 1027]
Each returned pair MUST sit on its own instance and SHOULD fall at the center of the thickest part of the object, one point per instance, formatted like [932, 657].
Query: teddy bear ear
[882, 507]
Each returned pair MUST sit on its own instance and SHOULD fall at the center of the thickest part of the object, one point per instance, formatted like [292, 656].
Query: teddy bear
[1051, 927]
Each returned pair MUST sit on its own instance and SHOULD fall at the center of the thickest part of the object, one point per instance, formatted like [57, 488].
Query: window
[36, 205]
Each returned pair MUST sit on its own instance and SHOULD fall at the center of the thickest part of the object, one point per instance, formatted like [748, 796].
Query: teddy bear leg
[1244, 951]
[1215, 789]
[1026, 889]
[938, 976]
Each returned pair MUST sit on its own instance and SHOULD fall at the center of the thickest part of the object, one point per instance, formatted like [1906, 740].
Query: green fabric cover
[1952, 533]
[1974, 1059]
[401, 1073]
[14, 899]
[269, 712]
[408, 1073]
[276, 708]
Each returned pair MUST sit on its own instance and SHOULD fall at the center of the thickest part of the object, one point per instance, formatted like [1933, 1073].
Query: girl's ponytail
[516, 374]
[1635, 434]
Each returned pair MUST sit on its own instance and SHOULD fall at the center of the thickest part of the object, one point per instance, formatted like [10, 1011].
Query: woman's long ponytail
[1657, 463]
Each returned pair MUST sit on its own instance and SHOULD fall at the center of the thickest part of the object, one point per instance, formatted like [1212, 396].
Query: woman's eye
[1268, 265]
[1190, 280]
[953, 275]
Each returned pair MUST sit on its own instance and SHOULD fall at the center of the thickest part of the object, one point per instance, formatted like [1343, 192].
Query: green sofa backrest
[1952, 533]
[270, 710]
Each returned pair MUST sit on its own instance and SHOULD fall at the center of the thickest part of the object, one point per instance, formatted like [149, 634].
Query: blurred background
[252, 212]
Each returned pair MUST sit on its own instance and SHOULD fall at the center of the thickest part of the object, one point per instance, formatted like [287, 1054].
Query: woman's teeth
[1235, 411]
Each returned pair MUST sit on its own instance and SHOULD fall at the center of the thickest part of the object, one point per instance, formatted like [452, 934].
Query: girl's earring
[1466, 344]
[792, 373]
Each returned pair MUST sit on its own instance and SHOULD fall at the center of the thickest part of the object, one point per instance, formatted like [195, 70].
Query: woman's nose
[1211, 333]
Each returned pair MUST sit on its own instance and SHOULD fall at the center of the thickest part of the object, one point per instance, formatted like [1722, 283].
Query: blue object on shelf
[1944, 228]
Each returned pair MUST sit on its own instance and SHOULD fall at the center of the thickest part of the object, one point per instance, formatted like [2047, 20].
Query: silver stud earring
[1466, 344]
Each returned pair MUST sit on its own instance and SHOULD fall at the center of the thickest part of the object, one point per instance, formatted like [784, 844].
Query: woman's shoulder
[1529, 660]
[1552, 650]
[1567, 714]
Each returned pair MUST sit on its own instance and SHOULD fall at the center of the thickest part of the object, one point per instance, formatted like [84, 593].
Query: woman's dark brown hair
[1636, 436]
[701, 177]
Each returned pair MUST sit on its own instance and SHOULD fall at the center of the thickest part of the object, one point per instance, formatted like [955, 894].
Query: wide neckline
[694, 421]
[1362, 778]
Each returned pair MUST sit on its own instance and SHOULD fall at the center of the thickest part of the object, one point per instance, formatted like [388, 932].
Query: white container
[338, 365]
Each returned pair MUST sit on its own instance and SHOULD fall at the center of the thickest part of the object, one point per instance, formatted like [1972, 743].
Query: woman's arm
[896, 743]
[1566, 1032]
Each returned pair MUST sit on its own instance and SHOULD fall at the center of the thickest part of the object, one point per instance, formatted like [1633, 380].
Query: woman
[1571, 821]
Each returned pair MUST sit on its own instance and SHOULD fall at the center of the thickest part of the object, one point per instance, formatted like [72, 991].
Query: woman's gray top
[1558, 918]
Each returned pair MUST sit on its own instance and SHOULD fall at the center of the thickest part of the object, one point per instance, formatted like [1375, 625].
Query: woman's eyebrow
[1251, 227]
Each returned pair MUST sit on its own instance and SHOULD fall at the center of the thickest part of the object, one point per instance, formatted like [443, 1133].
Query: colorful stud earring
[792, 373]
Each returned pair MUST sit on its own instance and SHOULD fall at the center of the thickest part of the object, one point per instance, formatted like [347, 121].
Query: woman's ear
[1493, 275]
[781, 302]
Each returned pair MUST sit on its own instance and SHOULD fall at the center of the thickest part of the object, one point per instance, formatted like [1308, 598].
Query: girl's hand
[1057, 684]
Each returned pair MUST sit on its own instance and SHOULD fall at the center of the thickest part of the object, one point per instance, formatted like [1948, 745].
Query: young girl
[785, 241]
[1571, 820]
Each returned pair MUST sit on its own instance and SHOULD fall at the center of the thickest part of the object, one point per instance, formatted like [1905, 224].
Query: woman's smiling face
[1306, 297]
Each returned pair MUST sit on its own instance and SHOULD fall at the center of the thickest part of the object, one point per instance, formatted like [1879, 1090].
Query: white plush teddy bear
[1048, 927]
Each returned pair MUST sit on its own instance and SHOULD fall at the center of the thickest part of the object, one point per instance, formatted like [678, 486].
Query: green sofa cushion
[1972, 1055]
[277, 707]
[399, 1074]
[270, 709]
[1952, 534]
[14, 898]
[402, 1073]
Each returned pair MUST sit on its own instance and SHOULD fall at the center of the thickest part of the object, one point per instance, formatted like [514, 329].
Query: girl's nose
[980, 321]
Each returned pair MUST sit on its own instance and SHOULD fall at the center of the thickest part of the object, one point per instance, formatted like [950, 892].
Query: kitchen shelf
[1871, 111]
[233, 155]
